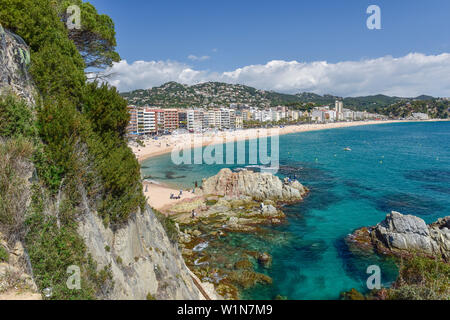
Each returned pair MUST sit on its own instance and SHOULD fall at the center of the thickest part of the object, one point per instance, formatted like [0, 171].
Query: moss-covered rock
[243, 265]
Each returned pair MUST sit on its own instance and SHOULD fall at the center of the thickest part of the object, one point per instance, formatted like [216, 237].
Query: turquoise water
[403, 167]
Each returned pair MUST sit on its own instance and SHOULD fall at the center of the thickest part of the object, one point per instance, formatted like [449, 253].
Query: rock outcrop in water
[406, 234]
[232, 202]
[258, 186]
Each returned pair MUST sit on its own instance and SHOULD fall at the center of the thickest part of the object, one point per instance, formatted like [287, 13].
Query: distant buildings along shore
[149, 120]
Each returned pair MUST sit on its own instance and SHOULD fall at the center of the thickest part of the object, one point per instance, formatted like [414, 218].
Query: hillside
[435, 108]
[71, 198]
[214, 94]
[177, 95]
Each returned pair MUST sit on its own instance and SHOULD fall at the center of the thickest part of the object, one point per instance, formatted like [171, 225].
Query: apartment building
[213, 118]
[182, 119]
[132, 127]
[227, 119]
[239, 122]
[171, 120]
[196, 120]
[147, 120]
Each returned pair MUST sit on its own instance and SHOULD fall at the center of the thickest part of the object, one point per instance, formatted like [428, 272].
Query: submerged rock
[406, 234]
[265, 260]
[243, 265]
[247, 278]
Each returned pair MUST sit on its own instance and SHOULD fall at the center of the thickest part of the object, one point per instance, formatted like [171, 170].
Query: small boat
[347, 149]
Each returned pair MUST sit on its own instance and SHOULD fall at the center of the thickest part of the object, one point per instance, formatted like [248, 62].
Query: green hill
[217, 94]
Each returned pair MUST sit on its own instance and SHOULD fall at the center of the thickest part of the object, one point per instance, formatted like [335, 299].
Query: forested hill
[173, 94]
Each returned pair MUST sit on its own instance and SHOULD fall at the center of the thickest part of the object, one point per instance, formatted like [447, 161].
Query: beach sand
[166, 144]
[158, 195]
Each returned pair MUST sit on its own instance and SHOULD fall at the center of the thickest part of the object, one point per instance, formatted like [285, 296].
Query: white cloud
[196, 58]
[410, 75]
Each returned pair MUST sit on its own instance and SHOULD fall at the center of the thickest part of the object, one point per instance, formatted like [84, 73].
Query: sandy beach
[166, 144]
[158, 195]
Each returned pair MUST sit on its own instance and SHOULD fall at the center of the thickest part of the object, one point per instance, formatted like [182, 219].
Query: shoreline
[158, 193]
[158, 196]
[166, 144]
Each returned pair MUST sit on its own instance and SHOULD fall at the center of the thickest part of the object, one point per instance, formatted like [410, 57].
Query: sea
[356, 176]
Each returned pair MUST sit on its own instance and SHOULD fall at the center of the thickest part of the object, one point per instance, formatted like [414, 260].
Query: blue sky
[234, 34]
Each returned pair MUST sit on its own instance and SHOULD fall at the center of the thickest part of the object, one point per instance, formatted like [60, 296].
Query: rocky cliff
[16, 281]
[139, 257]
[14, 63]
[259, 186]
[406, 234]
[142, 260]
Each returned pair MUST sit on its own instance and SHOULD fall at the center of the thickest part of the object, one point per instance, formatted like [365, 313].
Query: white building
[318, 115]
[239, 122]
[196, 120]
[420, 116]
[339, 108]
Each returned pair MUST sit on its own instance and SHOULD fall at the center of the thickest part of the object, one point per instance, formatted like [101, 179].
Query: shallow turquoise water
[403, 167]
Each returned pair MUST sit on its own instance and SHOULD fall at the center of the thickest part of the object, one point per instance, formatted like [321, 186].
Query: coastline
[166, 144]
[158, 194]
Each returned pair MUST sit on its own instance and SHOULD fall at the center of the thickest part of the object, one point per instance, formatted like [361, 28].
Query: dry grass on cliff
[15, 166]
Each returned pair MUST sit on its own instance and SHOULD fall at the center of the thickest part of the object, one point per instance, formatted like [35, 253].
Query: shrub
[16, 118]
[422, 278]
[15, 166]
[150, 297]
[4, 256]
[168, 224]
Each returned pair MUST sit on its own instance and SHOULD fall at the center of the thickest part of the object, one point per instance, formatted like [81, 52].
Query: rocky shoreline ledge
[229, 203]
[405, 235]
[421, 252]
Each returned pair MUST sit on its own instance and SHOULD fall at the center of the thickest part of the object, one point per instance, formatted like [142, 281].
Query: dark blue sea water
[403, 167]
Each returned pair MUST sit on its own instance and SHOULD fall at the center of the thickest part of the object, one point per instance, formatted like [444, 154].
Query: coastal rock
[16, 281]
[247, 278]
[159, 269]
[406, 234]
[259, 186]
[269, 210]
[265, 260]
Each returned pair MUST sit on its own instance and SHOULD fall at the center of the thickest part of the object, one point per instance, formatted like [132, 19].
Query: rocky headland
[231, 202]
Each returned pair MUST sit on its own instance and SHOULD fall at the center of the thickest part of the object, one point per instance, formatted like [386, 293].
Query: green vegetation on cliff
[421, 278]
[76, 143]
